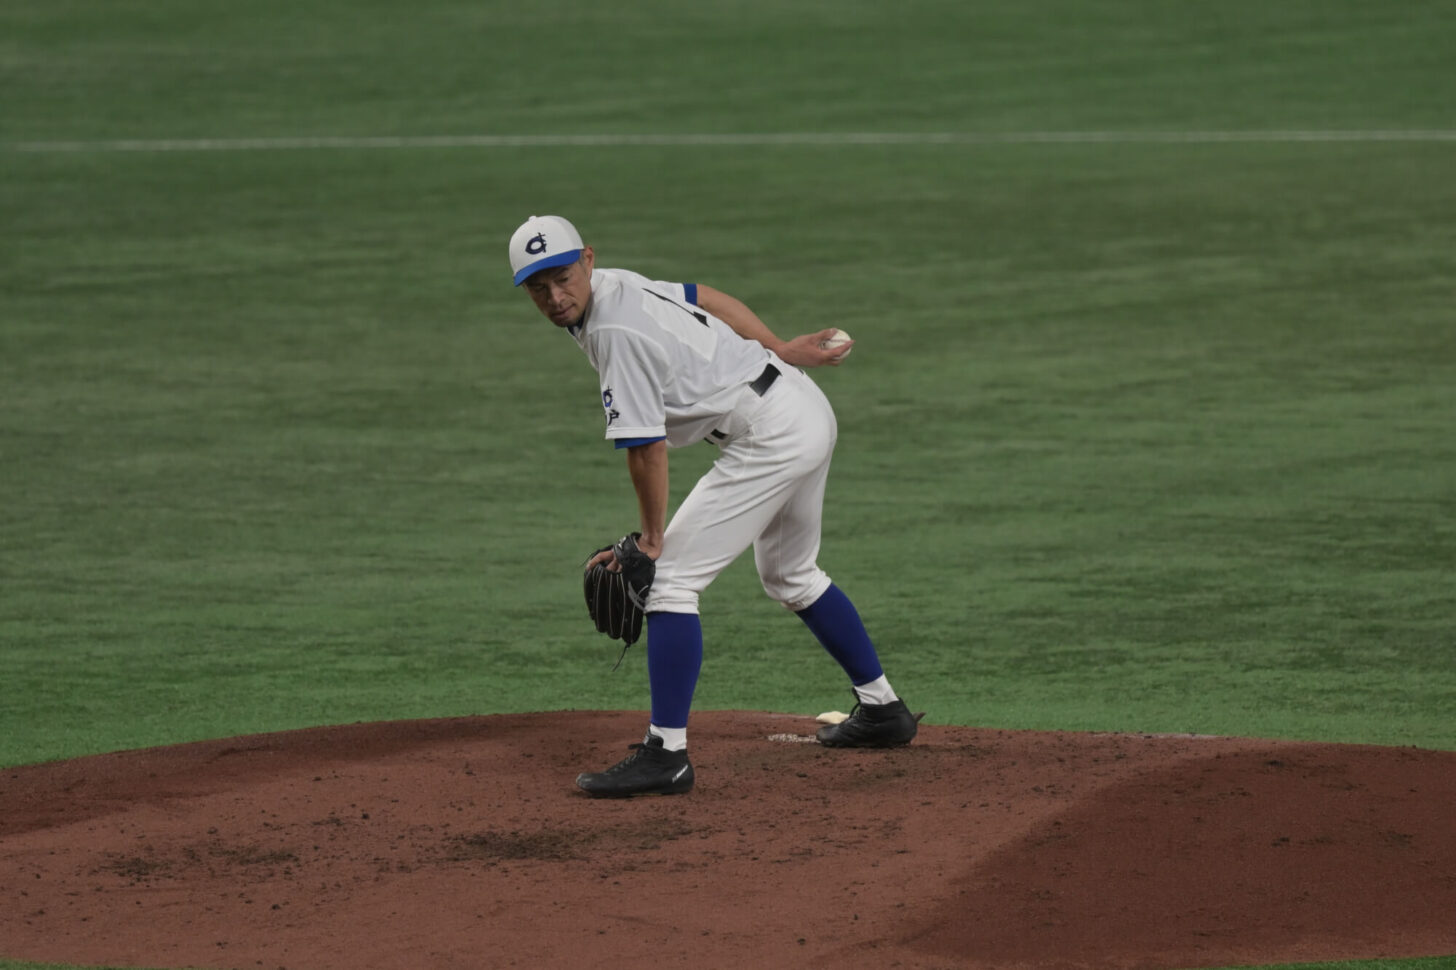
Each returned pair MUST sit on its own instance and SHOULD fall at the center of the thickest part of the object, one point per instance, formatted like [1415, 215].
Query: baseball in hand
[837, 339]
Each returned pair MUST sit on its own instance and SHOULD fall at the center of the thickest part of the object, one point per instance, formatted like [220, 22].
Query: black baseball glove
[615, 598]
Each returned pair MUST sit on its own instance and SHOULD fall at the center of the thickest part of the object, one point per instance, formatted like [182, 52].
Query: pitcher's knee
[798, 591]
[672, 599]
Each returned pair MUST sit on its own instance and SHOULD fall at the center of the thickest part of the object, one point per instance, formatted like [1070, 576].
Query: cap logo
[537, 245]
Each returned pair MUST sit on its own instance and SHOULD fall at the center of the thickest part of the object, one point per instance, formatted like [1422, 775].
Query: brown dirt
[462, 843]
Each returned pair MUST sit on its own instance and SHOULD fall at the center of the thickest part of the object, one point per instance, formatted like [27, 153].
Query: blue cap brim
[560, 259]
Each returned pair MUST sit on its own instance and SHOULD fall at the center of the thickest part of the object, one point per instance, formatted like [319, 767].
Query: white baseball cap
[543, 242]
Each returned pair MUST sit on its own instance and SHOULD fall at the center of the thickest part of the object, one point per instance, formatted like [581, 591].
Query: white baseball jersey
[668, 368]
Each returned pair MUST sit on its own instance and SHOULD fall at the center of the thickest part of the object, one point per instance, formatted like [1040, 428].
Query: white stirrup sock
[877, 692]
[673, 739]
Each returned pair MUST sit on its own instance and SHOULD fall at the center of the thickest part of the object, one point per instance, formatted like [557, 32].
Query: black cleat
[648, 770]
[872, 726]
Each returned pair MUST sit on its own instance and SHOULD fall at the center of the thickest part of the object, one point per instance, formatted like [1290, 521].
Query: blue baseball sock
[674, 658]
[835, 622]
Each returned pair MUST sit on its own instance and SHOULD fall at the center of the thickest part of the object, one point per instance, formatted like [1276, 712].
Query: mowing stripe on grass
[732, 139]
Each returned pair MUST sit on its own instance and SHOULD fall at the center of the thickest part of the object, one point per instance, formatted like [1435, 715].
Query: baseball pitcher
[679, 364]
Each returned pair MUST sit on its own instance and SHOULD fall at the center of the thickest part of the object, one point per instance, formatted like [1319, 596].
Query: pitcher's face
[563, 293]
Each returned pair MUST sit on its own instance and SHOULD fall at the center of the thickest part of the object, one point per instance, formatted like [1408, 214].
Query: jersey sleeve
[634, 370]
[634, 442]
[684, 292]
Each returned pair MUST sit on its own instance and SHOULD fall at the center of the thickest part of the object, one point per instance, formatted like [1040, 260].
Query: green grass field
[1141, 433]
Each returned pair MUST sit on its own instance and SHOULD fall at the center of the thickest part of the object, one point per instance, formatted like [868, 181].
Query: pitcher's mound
[463, 844]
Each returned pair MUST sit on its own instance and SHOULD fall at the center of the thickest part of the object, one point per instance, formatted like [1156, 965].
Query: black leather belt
[765, 380]
[760, 386]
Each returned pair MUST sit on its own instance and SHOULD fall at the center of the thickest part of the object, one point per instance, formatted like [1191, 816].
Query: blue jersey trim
[690, 293]
[634, 442]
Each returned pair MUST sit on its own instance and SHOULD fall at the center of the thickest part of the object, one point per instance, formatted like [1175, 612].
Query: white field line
[743, 139]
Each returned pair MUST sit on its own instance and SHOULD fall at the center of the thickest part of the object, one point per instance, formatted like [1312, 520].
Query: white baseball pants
[765, 489]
